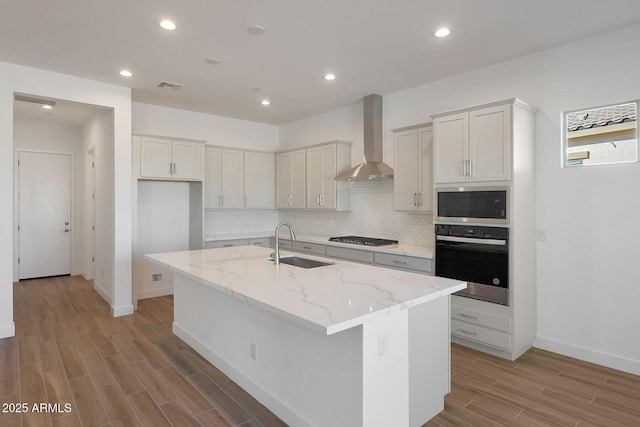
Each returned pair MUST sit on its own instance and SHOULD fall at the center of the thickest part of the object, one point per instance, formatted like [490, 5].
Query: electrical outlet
[542, 235]
[156, 277]
[254, 351]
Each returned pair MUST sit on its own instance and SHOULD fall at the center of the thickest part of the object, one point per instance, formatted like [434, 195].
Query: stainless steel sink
[303, 262]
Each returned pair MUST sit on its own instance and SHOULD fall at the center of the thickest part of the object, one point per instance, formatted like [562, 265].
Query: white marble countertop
[399, 249]
[329, 299]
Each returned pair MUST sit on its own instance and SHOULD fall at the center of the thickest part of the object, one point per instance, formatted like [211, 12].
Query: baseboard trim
[589, 355]
[152, 293]
[102, 292]
[8, 330]
[123, 310]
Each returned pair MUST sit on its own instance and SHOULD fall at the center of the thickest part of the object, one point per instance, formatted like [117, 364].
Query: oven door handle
[493, 242]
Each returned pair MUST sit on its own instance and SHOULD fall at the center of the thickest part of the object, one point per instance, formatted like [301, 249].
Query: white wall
[98, 134]
[587, 282]
[15, 78]
[215, 130]
[47, 137]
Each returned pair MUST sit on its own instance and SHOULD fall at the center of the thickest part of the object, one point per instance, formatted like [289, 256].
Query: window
[601, 135]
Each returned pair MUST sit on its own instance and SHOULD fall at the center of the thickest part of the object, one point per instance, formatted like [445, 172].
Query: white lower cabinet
[488, 325]
[262, 241]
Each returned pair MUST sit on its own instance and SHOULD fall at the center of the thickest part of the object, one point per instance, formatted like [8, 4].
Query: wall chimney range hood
[372, 167]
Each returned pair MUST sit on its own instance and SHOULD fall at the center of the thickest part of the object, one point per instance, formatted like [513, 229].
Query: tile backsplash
[372, 214]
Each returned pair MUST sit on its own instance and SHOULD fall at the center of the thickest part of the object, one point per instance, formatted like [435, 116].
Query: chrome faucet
[276, 256]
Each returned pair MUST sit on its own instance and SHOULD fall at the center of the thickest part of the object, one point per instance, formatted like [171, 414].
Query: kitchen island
[341, 345]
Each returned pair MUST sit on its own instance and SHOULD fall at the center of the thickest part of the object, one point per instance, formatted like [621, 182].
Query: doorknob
[66, 223]
[66, 230]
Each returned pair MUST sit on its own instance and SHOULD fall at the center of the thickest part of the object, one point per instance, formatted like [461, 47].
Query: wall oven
[478, 255]
[472, 204]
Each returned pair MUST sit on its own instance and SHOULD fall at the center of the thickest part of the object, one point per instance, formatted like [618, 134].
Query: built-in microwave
[473, 204]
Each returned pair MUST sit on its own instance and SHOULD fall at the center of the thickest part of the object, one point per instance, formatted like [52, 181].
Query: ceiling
[372, 46]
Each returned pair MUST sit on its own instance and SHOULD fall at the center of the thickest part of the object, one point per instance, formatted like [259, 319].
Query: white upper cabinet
[224, 178]
[164, 158]
[259, 180]
[474, 145]
[290, 189]
[413, 174]
[324, 162]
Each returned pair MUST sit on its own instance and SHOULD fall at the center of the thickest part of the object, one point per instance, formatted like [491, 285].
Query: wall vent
[169, 85]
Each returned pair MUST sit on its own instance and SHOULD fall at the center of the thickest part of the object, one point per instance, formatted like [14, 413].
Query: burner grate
[366, 241]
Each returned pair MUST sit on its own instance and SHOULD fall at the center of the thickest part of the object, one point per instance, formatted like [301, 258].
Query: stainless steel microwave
[473, 204]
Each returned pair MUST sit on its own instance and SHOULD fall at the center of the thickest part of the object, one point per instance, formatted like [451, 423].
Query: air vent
[169, 85]
[33, 100]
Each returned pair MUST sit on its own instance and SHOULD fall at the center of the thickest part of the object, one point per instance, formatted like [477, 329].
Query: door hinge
[93, 228]
[93, 259]
[18, 260]
[18, 163]
[93, 196]
[93, 165]
[18, 227]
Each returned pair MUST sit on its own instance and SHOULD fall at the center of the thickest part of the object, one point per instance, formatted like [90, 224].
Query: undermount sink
[303, 262]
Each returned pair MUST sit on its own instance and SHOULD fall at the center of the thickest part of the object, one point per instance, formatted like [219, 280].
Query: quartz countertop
[399, 249]
[329, 299]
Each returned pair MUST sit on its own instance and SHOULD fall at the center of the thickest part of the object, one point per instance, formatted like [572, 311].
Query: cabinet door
[232, 179]
[328, 172]
[314, 177]
[212, 182]
[259, 180]
[298, 179]
[405, 180]
[186, 160]
[451, 148]
[425, 154]
[284, 171]
[489, 144]
[155, 157]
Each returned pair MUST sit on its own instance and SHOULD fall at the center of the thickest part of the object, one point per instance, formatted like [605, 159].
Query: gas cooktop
[367, 241]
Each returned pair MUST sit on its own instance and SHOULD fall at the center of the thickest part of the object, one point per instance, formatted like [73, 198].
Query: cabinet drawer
[312, 248]
[350, 254]
[284, 244]
[481, 319]
[482, 335]
[422, 265]
[227, 243]
[264, 242]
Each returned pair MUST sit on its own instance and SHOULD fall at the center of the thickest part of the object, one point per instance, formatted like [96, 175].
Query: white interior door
[44, 198]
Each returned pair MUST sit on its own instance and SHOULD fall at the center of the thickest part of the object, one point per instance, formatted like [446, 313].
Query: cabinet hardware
[419, 199]
[170, 168]
[318, 200]
[306, 247]
[258, 243]
[470, 168]
[227, 246]
[321, 199]
[395, 261]
[467, 316]
[174, 168]
[415, 199]
[245, 200]
[468, 332]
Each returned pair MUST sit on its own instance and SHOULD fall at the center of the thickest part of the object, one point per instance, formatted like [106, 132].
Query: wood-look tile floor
[132, 371]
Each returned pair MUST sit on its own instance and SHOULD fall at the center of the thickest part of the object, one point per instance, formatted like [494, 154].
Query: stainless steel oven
[478, 255]
[473, 204]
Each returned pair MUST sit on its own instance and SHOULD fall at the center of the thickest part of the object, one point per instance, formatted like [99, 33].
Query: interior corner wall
[20, 79]
[55, 138]
[98, 134]
[587, 286]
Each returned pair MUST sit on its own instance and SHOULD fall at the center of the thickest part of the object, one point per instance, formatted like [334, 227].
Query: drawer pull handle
[306, 247]
[467, 316]
[258, 243]
[227, 246]
[468, 332]
[399, 262]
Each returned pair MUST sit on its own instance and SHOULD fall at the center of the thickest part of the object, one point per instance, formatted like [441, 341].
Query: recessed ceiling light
[442, 32]
[329, 76]
[256, 29]
[126, 73]
[47, 107]
[265, 102]
[212, 61]
[168, 24]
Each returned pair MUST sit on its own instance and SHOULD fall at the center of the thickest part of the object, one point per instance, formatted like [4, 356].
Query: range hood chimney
[371, 167]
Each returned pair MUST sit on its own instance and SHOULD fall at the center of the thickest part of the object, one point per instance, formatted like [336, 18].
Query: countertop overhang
[328, 299]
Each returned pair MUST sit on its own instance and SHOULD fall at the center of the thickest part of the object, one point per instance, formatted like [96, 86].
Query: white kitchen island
[342, 345]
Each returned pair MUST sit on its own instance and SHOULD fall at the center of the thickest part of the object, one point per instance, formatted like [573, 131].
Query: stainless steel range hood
[372, 167]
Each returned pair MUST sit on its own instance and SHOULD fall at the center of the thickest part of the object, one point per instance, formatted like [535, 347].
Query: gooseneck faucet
[276, 257]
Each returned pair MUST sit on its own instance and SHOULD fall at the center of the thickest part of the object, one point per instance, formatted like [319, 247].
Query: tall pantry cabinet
[493, 145]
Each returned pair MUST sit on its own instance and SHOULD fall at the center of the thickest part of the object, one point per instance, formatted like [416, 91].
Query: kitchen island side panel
[305, 377]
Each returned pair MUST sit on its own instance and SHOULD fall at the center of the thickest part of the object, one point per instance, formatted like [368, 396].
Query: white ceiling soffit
[67, 113]
[372, 46]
